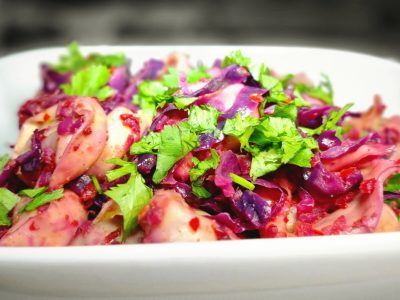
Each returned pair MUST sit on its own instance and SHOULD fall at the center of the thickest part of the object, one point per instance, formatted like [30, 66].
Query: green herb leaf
[96, 184]
[131, 198]
[71, 62]
[171, 78]
[194, 75]
[236, 58]
[265, 162]
[289, 110]
[108, 60]
[330, 123]
[183, 102]
[199, 191]
[393, 184]
[75, 61]
[237, 126]
[125, 169]
[203, 119]
[323, 91]
[201, 167]
[175, 143]
[152, 94]
[31, 193]
[241, 181]
[286, 111]
[277, 141]
[3, 161]
[148, 144]
[43, 199]
[8, 200]
[91, 82]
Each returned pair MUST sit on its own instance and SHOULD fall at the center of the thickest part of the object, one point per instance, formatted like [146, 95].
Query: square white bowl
[331, 267]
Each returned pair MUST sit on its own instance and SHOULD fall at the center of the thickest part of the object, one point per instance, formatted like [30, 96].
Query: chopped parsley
[241, 181]
[236, 58]
[91, 81]
[131, 196]
[4, 159]
[8, 200]
[41, 198]
[330, 123]
[322, 91]
[276, 141]
[393, 184]
[175, 143]
[202, 166]
[75, 60]
[203, 119]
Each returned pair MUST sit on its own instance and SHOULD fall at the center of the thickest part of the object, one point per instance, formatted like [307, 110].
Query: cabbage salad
[187, 152]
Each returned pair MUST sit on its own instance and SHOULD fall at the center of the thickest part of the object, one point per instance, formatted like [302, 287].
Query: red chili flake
[33, 227]
[194, 223]
[368, 186]
[257, 97]
[285, 219]
[343, 201]
[130, 121]
[87, 131]
[110, 238]
[270, 231]
[74, 223]
[46, 117]
[75, 148]
[346, 172]
[129, 141]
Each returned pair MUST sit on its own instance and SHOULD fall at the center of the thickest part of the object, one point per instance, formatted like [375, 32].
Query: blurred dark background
[371, 26]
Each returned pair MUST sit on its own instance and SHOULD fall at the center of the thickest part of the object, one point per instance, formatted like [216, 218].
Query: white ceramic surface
[337, 267]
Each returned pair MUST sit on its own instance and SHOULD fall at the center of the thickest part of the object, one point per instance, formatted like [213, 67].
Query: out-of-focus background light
[370, 26]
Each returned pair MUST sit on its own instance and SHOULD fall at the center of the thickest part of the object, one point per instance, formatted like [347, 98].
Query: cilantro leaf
[96, 184]
[199, 191]
[203, 119]
[237, 126]
[148, 144]
[152, 94]
[322, 91]
[171, 78]
[31, 193]
[182, 102]
[265, 162]
[393, 184]
[108, 60]
[91, 81]
[289, 110]
[43, 199]
[241, 181]
[131, 198]
[194, 75]
[277, 141]
[201, 167]
[125, 169]
[175, 143]
[3, 161]
[71, 62]
[8, 200]
[286, 111]
[75, 61]
[330, 123]
[236, 58]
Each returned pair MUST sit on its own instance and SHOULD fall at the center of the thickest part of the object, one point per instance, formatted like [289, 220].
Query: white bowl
[330, 267]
